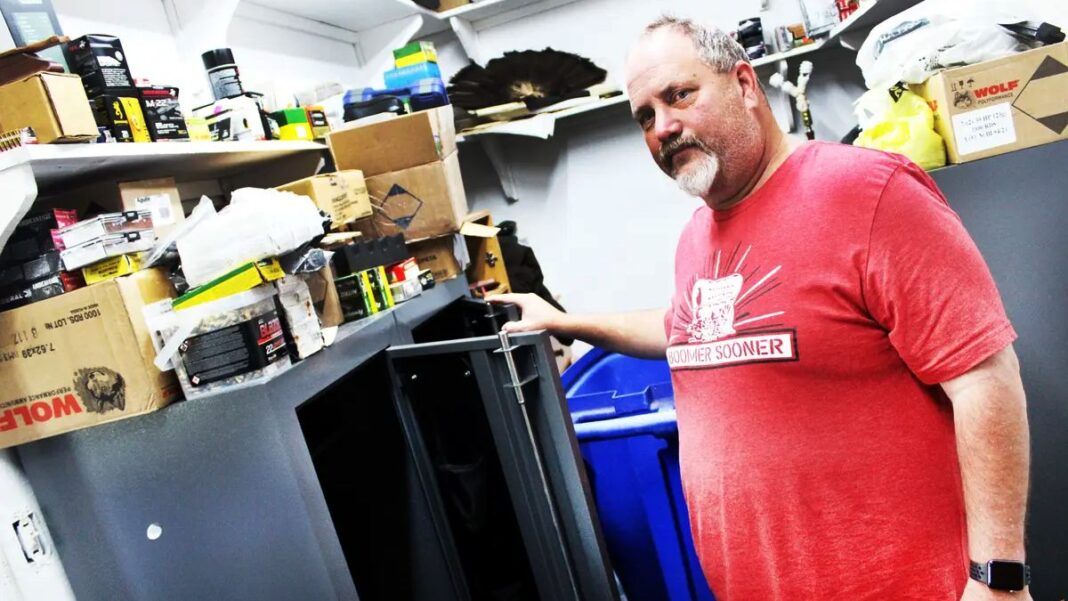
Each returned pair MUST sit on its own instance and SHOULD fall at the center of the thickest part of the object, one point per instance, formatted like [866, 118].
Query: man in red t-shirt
[852, 423]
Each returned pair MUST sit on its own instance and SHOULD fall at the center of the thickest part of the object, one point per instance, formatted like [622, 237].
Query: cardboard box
[53, 104]
[160, 196]
[413, 53]
[997, 106]
[343, 195]
[81, 359]
[443, 256]
[395, 144]
[487, 271]
[324, 297]
[420, 202]
[101, 63]
[451, 4]
[473, 250]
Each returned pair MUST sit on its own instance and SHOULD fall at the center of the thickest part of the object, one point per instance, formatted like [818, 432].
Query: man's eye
[645, 121]
[680, 95]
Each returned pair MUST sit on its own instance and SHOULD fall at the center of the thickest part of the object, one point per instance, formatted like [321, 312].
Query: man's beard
[699, 173]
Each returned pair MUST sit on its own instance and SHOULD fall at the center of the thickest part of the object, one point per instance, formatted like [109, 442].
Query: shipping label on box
[420, 202]
[81, 359]
[158, 196]
[1001, 105]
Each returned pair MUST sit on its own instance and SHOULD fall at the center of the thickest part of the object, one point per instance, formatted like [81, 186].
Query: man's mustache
[675, 146]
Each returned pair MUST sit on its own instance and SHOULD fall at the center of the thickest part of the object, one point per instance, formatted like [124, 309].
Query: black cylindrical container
[222, 73]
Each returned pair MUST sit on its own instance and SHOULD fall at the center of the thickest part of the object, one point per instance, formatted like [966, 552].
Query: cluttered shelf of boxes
[118, 299]
[788, 43]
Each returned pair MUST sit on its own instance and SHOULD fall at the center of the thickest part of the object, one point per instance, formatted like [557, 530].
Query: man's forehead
[660, 51]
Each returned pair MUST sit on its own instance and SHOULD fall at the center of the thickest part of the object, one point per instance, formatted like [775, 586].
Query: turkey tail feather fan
[537, 77]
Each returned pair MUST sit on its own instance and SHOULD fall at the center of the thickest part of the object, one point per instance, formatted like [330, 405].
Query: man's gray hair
[716, 49]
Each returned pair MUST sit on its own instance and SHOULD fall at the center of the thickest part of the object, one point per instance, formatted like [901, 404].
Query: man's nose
[668, 126]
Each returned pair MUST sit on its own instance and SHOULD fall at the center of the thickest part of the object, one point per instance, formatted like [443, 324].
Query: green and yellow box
[415, 53]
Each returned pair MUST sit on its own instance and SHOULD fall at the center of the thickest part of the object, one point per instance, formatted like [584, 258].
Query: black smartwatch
[1002, 574]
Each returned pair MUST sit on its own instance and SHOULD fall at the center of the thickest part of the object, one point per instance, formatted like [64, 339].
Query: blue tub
[624, 415]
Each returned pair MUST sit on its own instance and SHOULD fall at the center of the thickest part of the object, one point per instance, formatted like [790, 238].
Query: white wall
[600, 215]
[273, 59]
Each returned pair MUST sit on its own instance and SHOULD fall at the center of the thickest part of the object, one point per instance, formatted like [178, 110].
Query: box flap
[478, 230]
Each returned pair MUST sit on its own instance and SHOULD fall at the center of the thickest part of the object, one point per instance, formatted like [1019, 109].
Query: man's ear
[748, 84]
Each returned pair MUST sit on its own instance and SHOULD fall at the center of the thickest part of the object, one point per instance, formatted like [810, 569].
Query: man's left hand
[977, 591]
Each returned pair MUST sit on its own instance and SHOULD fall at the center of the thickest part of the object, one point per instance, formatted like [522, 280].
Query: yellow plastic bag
[904, 126]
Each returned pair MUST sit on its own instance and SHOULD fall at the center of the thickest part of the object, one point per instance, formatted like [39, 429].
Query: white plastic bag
[934, 35]
[257, 224]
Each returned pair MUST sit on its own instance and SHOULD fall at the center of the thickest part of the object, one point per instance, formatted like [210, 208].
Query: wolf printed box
[997, 106]
[81, 359]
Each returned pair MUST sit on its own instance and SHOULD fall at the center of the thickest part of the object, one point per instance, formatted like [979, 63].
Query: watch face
[1006, 575]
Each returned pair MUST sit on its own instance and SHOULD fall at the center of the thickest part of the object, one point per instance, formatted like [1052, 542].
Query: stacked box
[292, 124]
[119, 116]
[101, 63]
[163, 113]
[414, 53]
[31, 267]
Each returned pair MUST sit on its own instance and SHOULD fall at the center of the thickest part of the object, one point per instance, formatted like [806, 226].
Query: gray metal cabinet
[1016, 208]
[320, 485]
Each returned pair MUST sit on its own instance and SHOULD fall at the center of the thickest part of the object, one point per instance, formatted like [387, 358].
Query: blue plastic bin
[624, 415]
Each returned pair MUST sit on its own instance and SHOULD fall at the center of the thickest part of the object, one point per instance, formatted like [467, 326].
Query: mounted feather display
[537, 78]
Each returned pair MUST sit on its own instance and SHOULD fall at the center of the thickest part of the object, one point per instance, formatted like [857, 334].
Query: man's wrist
[1003, 575]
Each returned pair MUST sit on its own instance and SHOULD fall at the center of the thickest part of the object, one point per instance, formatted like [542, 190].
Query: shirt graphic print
[717, 325]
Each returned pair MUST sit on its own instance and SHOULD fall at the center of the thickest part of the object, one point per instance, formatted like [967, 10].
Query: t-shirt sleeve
[926, 283]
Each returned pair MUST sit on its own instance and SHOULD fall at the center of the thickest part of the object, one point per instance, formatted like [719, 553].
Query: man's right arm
[638, 334]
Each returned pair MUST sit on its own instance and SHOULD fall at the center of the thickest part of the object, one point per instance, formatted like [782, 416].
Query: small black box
[100, 61]
[366, 254]
[22, 248]
[120, 115]
[47, 265]
[163, 114]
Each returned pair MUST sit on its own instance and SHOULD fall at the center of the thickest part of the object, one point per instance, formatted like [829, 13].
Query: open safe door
[488, 429]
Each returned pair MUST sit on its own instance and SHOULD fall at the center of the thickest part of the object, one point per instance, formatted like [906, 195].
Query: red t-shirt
[810, 327]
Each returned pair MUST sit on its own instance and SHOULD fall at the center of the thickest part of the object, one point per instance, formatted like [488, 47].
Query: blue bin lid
[603, 385]
[600, 371]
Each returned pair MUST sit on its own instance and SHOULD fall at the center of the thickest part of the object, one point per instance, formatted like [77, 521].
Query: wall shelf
[26, 172]
[852, 32]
